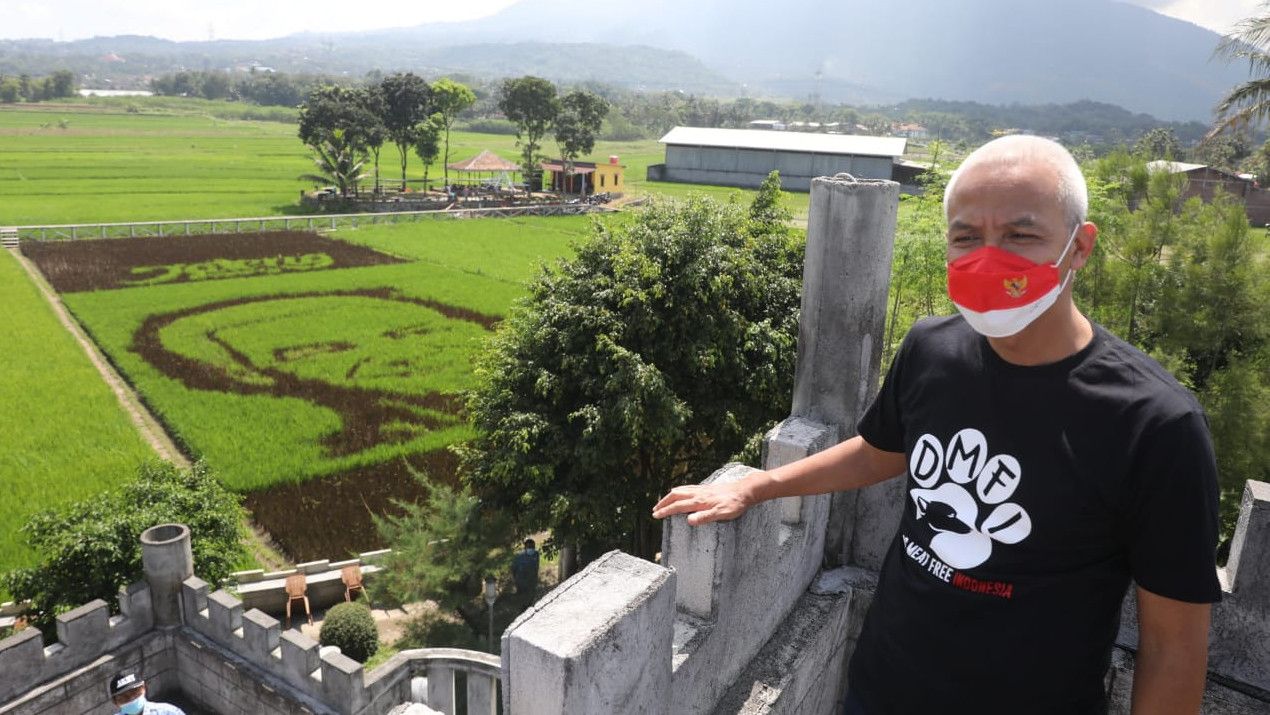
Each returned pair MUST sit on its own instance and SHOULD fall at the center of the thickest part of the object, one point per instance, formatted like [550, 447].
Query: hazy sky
[224, 19]
[258, 19]
[1216, 15]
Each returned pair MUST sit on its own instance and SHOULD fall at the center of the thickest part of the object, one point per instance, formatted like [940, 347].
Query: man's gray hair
[1025, 149]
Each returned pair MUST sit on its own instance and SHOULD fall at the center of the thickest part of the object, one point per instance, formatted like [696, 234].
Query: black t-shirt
[1033, 495]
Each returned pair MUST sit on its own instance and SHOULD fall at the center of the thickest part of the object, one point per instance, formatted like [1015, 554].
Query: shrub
[350, 627]
[90, 549]
[654, 355]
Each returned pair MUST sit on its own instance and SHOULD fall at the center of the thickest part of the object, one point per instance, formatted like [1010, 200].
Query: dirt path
[259, 543]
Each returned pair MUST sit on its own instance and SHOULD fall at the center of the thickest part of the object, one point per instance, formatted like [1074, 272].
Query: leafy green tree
[577, 124]
[442, 550]
[767, 213]
[1159, 143]
[339, 163]
[918, 262]
[332, 107]
[90, 549]
[428, 142]
[339, 125]
[407, 102]
[449, 99]
[60, 84]
[216, 85]
[643, 363]
[531, 103]
[372, 130]
[10, 91]
[1224, 151]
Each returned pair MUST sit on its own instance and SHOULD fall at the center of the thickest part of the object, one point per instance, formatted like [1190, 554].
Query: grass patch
[164, 158]
[65, 436]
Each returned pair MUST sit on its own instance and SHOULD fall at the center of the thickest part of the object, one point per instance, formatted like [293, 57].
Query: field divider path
[146, 423]
[148, 426]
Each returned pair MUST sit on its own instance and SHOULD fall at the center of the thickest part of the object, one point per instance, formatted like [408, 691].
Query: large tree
[373, 132]
[644, 363]
[449, 98]
[428, 143]
[577, 124]
[1159, 143]
[407, 101]
[529, 102]
[332, 109]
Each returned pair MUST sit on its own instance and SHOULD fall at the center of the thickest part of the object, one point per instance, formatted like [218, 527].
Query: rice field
[297, 385]
[65, 435]
[97, 161]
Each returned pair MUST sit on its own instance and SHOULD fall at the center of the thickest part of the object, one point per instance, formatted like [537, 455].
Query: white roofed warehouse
[744, 157]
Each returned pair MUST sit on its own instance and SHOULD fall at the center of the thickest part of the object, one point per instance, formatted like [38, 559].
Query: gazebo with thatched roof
[486, 163]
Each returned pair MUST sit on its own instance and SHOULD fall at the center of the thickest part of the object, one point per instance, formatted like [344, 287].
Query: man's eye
[1022, 236]
[963, 239]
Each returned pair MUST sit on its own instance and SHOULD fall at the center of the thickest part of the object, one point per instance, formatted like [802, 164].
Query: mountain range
[859, 51]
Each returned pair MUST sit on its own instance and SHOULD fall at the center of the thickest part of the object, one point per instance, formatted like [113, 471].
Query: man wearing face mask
[128, 693]
[1048, 465]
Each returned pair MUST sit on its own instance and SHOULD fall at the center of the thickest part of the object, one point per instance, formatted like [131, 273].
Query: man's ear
[1086, 237]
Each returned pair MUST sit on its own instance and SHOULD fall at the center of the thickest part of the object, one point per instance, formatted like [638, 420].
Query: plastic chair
[297, 586]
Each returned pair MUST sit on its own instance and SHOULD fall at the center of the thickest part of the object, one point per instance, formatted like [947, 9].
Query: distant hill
[636, 67]
[995, 51]
[858, 51]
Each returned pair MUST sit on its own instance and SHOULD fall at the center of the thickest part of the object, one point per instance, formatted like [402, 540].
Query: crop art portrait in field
[366, 355]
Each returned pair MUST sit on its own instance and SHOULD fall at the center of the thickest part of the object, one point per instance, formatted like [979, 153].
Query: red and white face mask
[1000, 293]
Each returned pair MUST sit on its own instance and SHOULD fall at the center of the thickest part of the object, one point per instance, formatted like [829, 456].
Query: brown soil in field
[330, 517]
[369, 417]
[105, 264]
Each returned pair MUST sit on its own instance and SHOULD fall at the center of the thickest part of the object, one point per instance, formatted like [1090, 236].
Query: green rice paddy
[319, 325]
[96, 161]
[65, 435]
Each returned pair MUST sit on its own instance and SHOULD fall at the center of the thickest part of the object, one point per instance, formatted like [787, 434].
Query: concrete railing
[736, 582]
[266, 590]
[433, 674]
[332, 678]
[83, 634]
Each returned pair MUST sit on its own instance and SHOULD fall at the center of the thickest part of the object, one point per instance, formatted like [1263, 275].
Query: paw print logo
[962, 497]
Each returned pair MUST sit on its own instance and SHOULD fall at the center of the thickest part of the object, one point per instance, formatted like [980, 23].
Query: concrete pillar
[599, 643]
[850, 234]
[167, 561]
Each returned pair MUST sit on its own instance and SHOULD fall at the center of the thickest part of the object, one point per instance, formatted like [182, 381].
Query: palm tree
[1249, 102]
[337, 162]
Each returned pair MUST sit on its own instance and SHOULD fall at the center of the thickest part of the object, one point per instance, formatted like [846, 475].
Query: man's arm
[850, 465]
[1168, 676]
